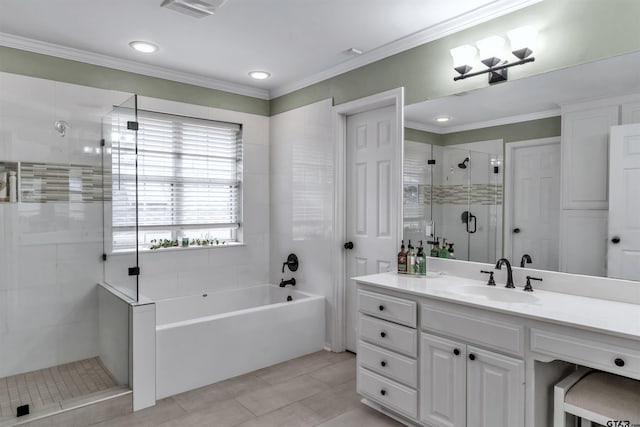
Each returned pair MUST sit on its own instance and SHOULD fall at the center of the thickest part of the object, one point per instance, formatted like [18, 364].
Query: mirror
[544, 168]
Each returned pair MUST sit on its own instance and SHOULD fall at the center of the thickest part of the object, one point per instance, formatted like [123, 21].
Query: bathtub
[207, 338]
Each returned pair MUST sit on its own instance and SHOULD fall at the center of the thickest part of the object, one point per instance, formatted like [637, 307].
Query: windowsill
[180, 248]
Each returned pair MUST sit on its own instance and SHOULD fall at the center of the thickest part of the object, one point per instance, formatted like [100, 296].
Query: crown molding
[486, 124]
[422, 126]
[467, 20]
[45, 48]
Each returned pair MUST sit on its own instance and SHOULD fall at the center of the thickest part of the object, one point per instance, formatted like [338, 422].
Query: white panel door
[585, 146]
[495, 390]
[535, 206]
[624, 206]
[442, 382]
[371, 211]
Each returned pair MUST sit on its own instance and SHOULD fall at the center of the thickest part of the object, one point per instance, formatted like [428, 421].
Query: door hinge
[431, 162]
[102, 142]
[104, 257]
[132, 125]
[134, 271]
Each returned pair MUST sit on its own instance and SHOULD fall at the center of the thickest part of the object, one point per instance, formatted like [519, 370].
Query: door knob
[516, 230]
[615, 240]
[348, 245]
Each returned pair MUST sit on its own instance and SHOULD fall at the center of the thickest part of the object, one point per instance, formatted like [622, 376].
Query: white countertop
[610, 317]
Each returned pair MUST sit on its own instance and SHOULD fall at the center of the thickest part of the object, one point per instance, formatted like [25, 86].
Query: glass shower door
[120, 207]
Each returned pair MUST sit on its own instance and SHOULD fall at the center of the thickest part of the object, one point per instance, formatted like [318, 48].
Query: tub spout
[284, 283]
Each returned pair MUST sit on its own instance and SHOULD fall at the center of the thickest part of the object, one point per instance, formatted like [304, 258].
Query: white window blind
[189, 174]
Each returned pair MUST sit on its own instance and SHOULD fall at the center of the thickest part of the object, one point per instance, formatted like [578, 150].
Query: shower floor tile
[50, 388]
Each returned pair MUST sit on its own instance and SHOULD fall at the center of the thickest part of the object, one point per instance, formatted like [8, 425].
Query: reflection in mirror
[544, 170]
[452, 197]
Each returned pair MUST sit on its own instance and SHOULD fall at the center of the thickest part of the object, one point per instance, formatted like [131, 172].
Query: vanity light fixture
[491, 49]
[144, 47]
[259, 75]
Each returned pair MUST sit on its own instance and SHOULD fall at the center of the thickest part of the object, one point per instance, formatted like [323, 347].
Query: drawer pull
[619, 362]
[383, 363]
[383, 334]
[472, 356]
[381, 307]
[383, 392]
[456, 352]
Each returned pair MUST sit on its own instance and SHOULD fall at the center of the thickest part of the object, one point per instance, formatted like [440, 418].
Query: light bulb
[463, 57]
[491, 50]
[523, 41]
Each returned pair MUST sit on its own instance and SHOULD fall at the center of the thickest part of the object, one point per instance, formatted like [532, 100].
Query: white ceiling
[528, 98]
[293, 39]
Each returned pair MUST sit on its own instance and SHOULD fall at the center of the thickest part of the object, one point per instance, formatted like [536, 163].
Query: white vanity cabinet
[388, 351]
[467, 386]
[455, 357]
[451, 373]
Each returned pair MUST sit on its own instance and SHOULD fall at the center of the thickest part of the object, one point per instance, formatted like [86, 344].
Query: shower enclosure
[454, 195]
[64, 296]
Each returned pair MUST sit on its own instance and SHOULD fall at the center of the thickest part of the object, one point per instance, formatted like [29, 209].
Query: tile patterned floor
[314, 390]
[49, 388]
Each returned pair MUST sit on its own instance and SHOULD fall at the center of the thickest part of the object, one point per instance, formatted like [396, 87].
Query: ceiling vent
[194, 8]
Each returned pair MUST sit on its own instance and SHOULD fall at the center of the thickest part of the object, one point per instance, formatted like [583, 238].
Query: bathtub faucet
[291, 282]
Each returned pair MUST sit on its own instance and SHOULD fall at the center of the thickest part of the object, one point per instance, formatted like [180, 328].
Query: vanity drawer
[475, 326]
[389, 393]
[397, 310]
[389, 364]
[588, 352]
[389, 335]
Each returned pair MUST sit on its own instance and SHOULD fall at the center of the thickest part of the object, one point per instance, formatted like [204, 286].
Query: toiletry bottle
[421, 261]
[411, 259]
[444, 253]
[402, 260]
[13, 187]
[452, 254]
[435, 247]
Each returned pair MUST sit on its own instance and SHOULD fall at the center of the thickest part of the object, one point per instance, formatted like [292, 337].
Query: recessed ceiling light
[259, 75]
[442, 119]
[144, 47]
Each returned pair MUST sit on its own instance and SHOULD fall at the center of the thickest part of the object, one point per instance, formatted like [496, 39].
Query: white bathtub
[204, 339]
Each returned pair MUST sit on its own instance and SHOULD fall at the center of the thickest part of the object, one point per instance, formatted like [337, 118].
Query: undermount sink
[498, 294]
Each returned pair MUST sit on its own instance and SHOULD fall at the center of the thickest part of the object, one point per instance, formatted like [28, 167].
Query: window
[189, 176]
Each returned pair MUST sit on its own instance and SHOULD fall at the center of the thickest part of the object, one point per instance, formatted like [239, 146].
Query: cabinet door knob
[348, 245]
[381, 307]
[619, 362]
[456, 352]
[383, 392]
[516, 230]
[383, 363]
[383, 334]
[472, 356]
[615, 240]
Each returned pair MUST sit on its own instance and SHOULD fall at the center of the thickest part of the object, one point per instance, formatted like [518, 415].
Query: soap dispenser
[451, 255]
[444, 252]
[421, 261]
[435, 248]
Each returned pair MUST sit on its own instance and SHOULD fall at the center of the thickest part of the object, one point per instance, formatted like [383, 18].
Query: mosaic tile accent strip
[45, 182]
[478, 194]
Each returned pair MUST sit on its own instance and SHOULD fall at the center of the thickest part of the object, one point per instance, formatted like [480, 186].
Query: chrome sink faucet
[504, 261]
